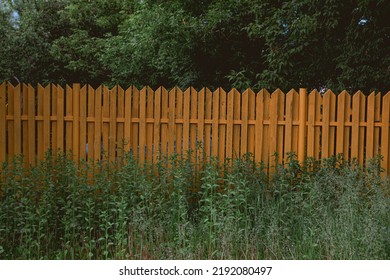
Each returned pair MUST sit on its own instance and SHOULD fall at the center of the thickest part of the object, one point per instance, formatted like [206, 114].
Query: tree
[247, 43]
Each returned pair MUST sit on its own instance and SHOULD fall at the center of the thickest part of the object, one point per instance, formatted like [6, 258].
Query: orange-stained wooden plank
[179, 116]
[54, 96]
[280, 126]
[186, 120]
[171, 122]
[251, 120]
[310, 124]
[91, 124]
[229, 124]
[46, 118]
[385, 141]
[377, 120]
[201, 116]
[11, 123]
[25, 135]
[244, 123]
[83, 123]
[236, 127]
[302, 124]
[41, 151]
[69, 124]
[135, 124]
[325, 125]
[3, 129]
[273, 132]
[146, 104]
[120, 125]
[76, 122]
[164, 126]
[207, 126]
[266, 153]
[332, 129]
[317, 129]
[370, 126]
[341, 100]
[222, 127]
[347, 129]
[97, 142]
[60, 118]
[112, 125]
[149, 126]
[128, 119]
[105, 122]
[215, 126]
[17, 121]
[157, 125]
[295, 126]
[289, 121]
[363, 129]
[355, 124]
[259, 126]
[31, 125]
[193, 117]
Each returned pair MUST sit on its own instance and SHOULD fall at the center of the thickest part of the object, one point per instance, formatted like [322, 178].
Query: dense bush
[180, 209]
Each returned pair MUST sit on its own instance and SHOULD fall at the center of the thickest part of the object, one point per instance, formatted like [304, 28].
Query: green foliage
[273, 44]
[180, 209]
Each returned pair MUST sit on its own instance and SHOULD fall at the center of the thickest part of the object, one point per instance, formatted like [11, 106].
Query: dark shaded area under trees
[229, 43]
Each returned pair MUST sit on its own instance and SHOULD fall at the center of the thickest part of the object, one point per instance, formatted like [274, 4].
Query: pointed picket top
[292, 92]
[314, 92]
[220, 90]
[277, 91]
[248, 91]
[386, 95]
[344, 93]
[329, 92]
[264, 92]
[359, 93]
[40, 87]
[233, 90]
[159, 89]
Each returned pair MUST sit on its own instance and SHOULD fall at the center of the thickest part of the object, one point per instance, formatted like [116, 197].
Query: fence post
[302, 124]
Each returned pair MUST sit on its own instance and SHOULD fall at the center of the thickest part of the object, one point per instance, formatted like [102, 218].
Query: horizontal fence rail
[102, 123]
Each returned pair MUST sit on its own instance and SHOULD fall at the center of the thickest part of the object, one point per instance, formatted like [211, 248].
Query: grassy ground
[179, 210]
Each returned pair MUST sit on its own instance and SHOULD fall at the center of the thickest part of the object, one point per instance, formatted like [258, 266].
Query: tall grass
[180, 208]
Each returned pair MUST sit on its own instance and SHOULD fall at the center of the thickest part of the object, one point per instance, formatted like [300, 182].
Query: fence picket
[385, 133]
[370, 126]
[157, 125]
[25, 135]
[40, 141]
[222, 126]
[112, 125]
[3, 127]
[97, 146]
[215, 124]
[236, 124]
[76, 122]
[17, 121]
[120, 125]
[244, 122]
[91, 124]
[68, 116]
[60, 118]
[83, 123]
[46, 118]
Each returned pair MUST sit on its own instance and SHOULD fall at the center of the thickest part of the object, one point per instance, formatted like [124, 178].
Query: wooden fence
[96, 123]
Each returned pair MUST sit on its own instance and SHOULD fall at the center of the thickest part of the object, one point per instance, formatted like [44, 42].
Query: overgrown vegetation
[178, 209]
